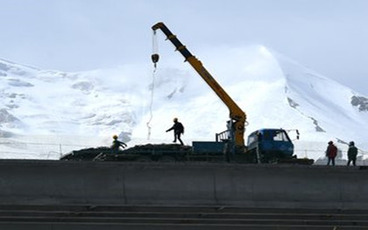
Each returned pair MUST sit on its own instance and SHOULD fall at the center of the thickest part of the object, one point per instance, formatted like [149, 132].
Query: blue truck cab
[270, 145]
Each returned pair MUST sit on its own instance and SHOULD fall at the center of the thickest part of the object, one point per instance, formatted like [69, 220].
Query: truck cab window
[280, 136]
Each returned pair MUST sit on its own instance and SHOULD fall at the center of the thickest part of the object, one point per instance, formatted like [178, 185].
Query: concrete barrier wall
[110, 183]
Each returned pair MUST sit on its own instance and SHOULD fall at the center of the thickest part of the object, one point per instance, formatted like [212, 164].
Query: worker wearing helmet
[352, 153]
[178, 130]
[116, 144]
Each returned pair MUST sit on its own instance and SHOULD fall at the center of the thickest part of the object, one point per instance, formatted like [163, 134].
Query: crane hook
[155, 58]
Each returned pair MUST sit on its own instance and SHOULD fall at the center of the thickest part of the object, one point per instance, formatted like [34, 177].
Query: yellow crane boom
[237, 116]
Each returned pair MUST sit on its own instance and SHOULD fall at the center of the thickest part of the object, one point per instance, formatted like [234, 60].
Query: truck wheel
[272, 160]
[274, 157]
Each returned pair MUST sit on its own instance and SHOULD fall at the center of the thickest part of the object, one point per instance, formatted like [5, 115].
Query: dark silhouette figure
[178, 130]
[331, 153]
[352, 153]
[116, 144]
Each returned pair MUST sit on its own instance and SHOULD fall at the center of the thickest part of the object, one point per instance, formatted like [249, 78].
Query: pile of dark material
[158, 147]
[148, 152]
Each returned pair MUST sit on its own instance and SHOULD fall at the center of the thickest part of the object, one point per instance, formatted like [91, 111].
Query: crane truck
[263, 146]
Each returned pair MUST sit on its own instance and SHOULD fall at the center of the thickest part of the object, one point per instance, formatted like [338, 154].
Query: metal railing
[222, 136]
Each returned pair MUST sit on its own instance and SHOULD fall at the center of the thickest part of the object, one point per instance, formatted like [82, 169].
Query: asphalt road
[178, 218]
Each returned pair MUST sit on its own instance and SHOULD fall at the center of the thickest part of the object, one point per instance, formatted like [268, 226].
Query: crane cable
[154, 58]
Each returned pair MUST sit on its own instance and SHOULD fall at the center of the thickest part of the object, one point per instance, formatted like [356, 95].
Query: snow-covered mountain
[46, 113]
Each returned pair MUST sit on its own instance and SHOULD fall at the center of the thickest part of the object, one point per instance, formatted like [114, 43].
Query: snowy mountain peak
[333, 108]
[273, 90]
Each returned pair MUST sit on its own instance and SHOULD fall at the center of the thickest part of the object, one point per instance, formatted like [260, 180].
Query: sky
[328, 36]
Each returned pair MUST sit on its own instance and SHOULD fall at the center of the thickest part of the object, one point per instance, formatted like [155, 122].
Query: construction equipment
[275, 143]
[237, 115]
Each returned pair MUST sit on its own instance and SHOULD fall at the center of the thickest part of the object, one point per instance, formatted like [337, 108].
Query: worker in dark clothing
[116, 144]
[352, 153]
[331, 153]
[178, 130]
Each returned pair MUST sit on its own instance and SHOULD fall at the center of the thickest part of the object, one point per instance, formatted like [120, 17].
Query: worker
[352, 153]
[178, 130]
[331, 153]
[116, 144]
